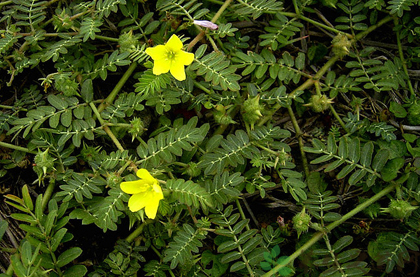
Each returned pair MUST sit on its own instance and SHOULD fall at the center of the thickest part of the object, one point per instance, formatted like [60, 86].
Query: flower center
[170, 55]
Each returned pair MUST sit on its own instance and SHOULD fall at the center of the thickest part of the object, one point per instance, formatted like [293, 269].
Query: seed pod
[251, 110]
[221, 116]
[341, 45]
[301, 222]
[137, 128]
[399, 209]
[319, 103]
[43, 162]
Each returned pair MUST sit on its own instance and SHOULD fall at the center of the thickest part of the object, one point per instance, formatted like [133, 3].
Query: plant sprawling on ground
[270, 138]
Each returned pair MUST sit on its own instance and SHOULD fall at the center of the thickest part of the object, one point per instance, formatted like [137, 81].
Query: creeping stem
[118, 87]
[317, 236]
[400, 51]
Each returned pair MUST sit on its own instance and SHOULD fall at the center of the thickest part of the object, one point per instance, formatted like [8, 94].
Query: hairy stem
[300, 140]
[317, 236]
[15, 147]
[118, 87]
[404, 64]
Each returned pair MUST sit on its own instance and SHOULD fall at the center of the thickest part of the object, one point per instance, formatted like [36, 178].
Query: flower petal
[174, 44]
[161, 66]
[145, 175]
[178, 71]
[133, 187]
[157, 52]
[184, 57]
[206, 23]
[138, 201]
[153, 204]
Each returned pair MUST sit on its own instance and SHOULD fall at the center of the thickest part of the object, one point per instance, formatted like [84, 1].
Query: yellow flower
[170, 57]
[146, 193]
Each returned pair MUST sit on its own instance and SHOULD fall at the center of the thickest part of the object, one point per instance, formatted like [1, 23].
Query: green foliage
[391, 248]
[169, 144]
[354, 155]
[216, 69]
[125, 262]
[187, 8]
[241, 247]
[339, 262]
[185, 242]
[46, 233]
[320, 205]
[82, 110]
[280, 31]
[256, 8]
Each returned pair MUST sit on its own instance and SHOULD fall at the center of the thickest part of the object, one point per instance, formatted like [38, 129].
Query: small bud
[206, 24]
[113, 180]
[43, 163]
[319, 103]
[137, 128]
[301, 222]
[66, 85]
[128, 42]
[192, 170]
[399, 209]
[221, 116]
[88, 153]
[341, 45]
[251, 110]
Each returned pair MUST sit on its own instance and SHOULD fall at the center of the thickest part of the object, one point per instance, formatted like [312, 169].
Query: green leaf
[24, 217]
[366, 155]
[58, 102]
[398, 110]
[390, 170]
[18, 268]
[237, 266]
[66, 118]
[57, 238]
[3, 227]
[87, 90]
[27, 198]
[231, 256]
[342, 243]
[380, 159]
[68, 256]
[75, 271]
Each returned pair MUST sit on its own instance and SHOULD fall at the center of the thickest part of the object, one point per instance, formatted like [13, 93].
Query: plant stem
[241, 212]
[318, 91]
[295, 5]
[308, 83]
[404, 64]
[372, 28]
[338, 118]
[316, 23]
[118, 87]
[15, 147]
[48, 193]
[5, 3]
[203, 88]
[106, 38]
[300, 140]
[136, 232]
[331, 226]
[106, 128]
